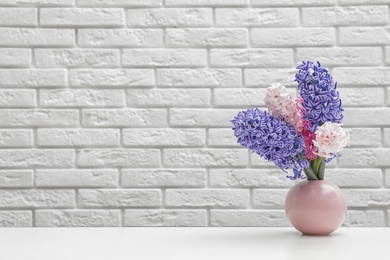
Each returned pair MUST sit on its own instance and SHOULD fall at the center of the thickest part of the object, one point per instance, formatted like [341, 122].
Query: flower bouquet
[303, 134]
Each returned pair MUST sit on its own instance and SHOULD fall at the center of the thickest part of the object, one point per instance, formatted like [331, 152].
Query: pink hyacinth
[308, 136]
[331, 138]
[280, 103]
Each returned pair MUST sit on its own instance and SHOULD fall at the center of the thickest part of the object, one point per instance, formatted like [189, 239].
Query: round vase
[316, 207]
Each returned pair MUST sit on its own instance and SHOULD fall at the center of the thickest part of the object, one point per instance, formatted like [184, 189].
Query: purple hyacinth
[321, 99]
[271, 138]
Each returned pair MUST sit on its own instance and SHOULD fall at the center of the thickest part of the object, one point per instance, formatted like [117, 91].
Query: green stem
[312, 164]
[317, 164]
[321, 171]
[310, 173]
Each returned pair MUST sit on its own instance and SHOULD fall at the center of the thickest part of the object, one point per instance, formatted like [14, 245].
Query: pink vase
[316, 207]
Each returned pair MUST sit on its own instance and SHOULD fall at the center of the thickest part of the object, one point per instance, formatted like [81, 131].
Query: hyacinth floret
[271, 138]
[321, 100]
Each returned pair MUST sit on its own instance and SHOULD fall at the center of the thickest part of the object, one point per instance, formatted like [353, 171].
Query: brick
[256, 160]
[362, 76]
[164, 57]
[369, 35]
[76, 58]
[387, 55]
[365, 137]
[248, 218]
[165, 218]
[16, 138]
[38, 117]
[15, 58]
[81, 98]
[16, 218]
[16, 178]
[169, 17]
[206, 2]
[366, 117]
[202, 117]
[33, 78]
[198, 77]
[264, 17]
[119, 198]
[41, 158]
[248, 178]
[362, 97]
[38, 2]
[36, 37]
[239, 97]
[269, 198]
[283, 3]
[111, 77]
[124, 117]
[388, 221]
[164, 137]
[17, 98]
[77, 218]
[168, 97]
[37, 198]
[163, 178]
[342, 56]
[365, 158]
[367, 197]
[118, 157]
[77, 178]
[203, 157]
[265, 77]
[120, 37]
[363, 2]
[78, 137]
[355, 177]
[386, 137]
[388, 96]
[210, 37]
[222, 137]
[18, 17]
[387, 177]
[251, 57]
[366, 218]
[96, 17]
[344, 16]
[265, 37]
[232, 198]
[120, 3]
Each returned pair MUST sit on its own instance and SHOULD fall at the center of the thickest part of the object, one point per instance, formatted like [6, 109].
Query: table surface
[191, 243]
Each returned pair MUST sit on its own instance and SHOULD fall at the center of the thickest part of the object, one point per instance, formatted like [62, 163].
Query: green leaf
[321, 171]
[310, 173]
[317, 163]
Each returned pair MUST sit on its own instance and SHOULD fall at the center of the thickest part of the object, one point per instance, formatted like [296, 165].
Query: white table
[191, 243]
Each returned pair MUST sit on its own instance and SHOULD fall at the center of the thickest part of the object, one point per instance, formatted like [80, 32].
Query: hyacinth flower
[320, 98]
[321, 110]
[308, 136]
[280, 103]
[303, 134]
[271, 138]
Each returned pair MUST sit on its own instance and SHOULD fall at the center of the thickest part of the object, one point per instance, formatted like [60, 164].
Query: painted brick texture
[116, 113]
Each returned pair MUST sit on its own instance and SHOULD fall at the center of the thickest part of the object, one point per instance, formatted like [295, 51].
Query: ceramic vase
[316, 207]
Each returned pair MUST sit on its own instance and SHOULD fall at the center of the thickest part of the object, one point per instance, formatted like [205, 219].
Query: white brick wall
[116, 113]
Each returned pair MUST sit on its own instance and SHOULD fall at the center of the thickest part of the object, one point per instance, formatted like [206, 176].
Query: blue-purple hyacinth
[321, 99]
[271, 138]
